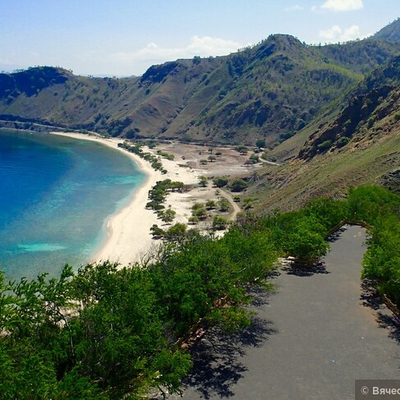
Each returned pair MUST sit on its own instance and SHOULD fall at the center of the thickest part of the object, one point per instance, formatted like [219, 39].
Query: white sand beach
[128, 231]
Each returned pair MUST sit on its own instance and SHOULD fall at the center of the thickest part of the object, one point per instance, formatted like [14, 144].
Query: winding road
[310, 339]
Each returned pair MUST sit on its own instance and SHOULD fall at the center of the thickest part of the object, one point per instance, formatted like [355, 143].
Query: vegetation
[219, 223]
[106, 332]
[224, 204]
[203, 181]
[151, 158]
[199, 211]
[110, 332]
[244, 98]
[166, 155]
[159, 192]
[238, 185]
[260, 143]
[220, 182]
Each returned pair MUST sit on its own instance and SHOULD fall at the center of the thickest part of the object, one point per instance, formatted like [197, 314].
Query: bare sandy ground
[128, 231]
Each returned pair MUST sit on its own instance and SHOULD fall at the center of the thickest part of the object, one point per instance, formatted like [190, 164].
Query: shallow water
[55, 195]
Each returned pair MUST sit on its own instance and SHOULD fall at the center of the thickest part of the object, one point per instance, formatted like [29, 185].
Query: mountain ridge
[268, 91]
[330, 114]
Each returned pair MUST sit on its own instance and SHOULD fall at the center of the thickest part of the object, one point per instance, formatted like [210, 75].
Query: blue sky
[125, 37]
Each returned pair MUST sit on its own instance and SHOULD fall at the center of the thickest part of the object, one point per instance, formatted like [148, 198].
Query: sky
[125, 37]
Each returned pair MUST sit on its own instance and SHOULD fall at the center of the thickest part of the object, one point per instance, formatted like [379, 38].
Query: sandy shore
[128, 231]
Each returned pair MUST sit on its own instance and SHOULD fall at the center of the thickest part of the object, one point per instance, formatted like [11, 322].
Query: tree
[219, 223]
[242, 149]
[261, 143]
[193, 220]
[176, 185]
[238, 185]
[167, 215]
[254, 159]
[211, 204]
[203, 181]
[196, 60]
[176, 232]
[220, 182]
[199, 211]
[224, 204]
[304, 242]
[156, 231]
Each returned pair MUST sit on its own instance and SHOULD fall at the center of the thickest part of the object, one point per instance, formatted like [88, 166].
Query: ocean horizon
[56, 194]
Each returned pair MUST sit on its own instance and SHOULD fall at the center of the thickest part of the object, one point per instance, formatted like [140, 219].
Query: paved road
[310, 340]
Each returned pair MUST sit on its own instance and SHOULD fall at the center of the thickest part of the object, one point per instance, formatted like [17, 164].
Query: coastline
[128, 237]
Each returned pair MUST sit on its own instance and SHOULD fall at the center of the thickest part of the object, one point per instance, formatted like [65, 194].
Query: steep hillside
[362, 56]
[271, 91]
[364, 109]
[390, 32]
[361, 145]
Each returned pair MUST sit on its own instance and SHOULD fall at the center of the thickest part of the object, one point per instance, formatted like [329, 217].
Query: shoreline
[128, 238]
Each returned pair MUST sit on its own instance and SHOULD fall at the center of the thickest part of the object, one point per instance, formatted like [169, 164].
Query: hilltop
[329, 114]
[269, 91]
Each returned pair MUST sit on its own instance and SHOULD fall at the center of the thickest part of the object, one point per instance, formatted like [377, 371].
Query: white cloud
[293, 8]
[200, 46]
[137, 61]
[342, 5]
[337, 34]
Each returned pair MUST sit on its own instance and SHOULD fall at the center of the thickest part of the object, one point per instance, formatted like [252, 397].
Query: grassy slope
[373, 150]
[331, 175]
[268, 91]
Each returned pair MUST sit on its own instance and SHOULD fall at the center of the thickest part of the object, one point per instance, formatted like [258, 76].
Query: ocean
[56, 194]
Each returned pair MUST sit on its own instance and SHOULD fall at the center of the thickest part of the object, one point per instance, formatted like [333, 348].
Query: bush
[224, 204]
[343, 141]
[219, 223]
[326, 145]
[220, 182]
[239, 185]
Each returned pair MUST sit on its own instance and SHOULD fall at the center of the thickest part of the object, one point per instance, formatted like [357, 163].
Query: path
[234, 205]
[310, 340]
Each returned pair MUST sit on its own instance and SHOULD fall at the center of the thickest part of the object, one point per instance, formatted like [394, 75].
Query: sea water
[55, 195]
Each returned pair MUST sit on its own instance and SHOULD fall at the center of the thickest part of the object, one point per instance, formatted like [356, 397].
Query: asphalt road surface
[311, 339]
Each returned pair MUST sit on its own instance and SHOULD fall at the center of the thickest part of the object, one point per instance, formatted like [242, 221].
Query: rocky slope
[358, 144]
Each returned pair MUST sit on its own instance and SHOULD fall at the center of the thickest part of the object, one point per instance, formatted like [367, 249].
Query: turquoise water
[55, 195]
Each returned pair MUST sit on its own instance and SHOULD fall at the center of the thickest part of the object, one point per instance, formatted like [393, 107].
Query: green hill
[330, 114]
[270, 91]
[390, 32]
[358, 144]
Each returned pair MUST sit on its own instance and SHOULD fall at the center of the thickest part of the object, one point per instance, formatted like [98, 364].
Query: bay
[56, 193]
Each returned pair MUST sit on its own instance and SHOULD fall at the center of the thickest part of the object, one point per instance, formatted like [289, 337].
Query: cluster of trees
[380, 209]
[157, 196]
[159, 192]
[166, 155]
[154, 161]
[201, 211]
[107, 332]
[238, 185]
